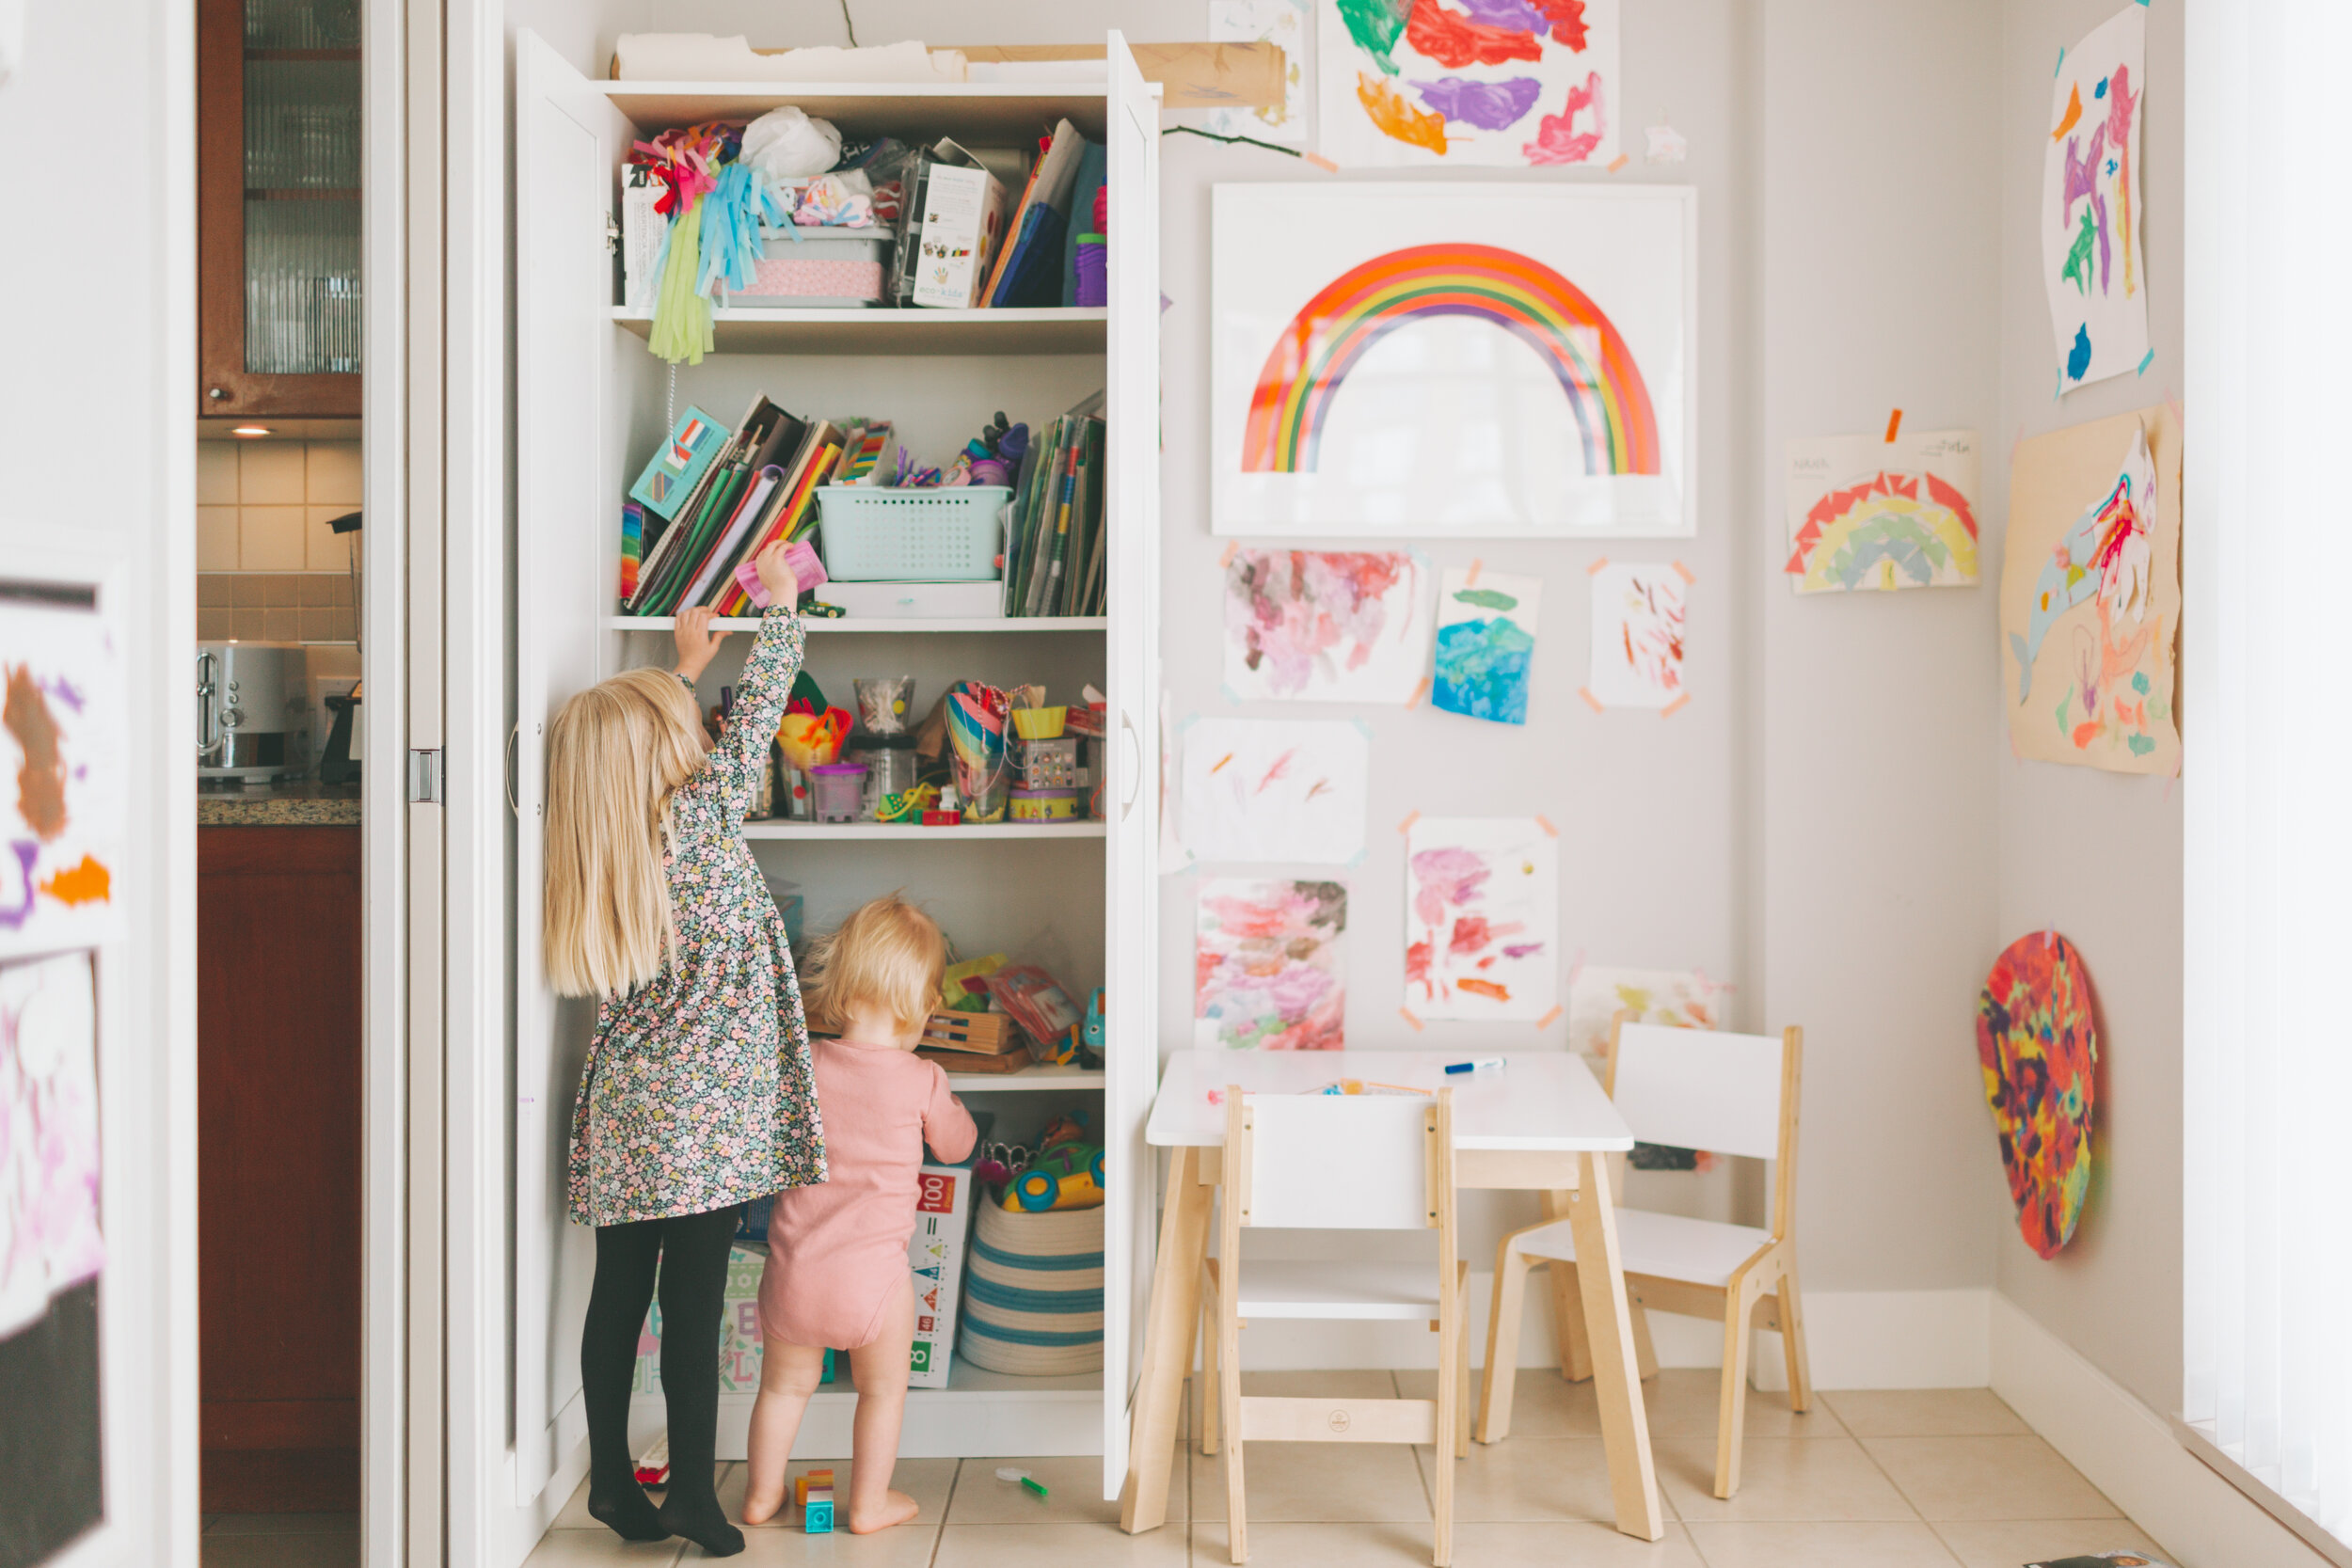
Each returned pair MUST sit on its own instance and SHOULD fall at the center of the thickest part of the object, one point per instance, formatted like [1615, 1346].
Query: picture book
[679, 464]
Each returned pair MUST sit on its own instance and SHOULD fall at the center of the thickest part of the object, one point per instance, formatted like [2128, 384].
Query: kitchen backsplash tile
[263, 542]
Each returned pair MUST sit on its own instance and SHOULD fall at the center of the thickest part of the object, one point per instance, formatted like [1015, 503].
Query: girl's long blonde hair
[616, 752]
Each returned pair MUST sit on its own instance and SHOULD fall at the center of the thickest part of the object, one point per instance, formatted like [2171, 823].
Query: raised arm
[767, 677]
[947, 1126]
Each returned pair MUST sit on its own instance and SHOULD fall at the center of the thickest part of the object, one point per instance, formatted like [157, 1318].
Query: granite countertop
[278, 805]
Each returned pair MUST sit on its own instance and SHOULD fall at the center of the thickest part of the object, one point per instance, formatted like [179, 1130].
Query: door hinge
[425, 776]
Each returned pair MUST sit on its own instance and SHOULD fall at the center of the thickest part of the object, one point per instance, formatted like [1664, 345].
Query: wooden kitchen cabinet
[277, 209]
[279, 1151]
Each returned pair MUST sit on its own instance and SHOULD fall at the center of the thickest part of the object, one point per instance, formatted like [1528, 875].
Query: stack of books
[1055, 553]
[756, 485]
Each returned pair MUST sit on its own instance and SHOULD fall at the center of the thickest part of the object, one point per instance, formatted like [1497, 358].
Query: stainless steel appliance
[252, 706]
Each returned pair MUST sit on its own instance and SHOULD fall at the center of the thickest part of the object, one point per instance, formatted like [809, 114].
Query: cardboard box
[738, 1329]
[943, 1220]
[643, 230]
[964, 218]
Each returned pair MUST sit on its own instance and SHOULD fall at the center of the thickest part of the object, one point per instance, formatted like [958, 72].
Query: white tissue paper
[785, 143]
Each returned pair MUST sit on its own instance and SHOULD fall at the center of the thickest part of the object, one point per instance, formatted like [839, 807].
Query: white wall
[2095, 854]
[99, 336]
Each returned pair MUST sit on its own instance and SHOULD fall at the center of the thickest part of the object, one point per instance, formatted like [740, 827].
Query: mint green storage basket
[892, 535]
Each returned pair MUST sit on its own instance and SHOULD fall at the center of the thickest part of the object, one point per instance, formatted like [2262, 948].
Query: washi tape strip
[1406, 826]
[1545, 1021]
[1406, 1014]
[1586, 692]
[1320, 162]
[1227, 558]
[1544, 823]
[1688, 574]
[1471, 581]
[1419, 691]
[1596, 568]
[1623, 159]
[1676, 707]
[1893, 423]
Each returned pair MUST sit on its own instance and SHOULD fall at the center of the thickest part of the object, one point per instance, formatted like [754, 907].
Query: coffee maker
[252, 703]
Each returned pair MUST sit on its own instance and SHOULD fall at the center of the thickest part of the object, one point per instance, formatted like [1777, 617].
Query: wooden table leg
[1167, 1339]
[1609, 1330]
[1567, 1306]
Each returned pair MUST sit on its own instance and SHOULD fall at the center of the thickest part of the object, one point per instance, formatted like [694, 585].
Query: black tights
[691, 1250]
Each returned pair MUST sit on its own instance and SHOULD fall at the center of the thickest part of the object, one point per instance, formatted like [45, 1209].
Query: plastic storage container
[1046, 805]
[822, 269]
[944, 535]
[900, 601]
[840, 790]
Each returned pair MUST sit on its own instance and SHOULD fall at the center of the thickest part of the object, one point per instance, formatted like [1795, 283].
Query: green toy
[1066, 1174]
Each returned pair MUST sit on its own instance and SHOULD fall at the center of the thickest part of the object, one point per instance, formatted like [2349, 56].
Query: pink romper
[837, 1251]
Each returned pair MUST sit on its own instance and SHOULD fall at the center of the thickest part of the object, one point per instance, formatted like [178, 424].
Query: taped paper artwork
[1326, 627]
[1679, 998]
[1521, 83]
[2092, 263]
[49, 1170]
[1486, 645]
[2090, 595]
[1637, 636]
[1263, 790]
[1865, 512]
[2038, 1044]
[64, 830]
[1482, 919]
[1282, 23]
[1269, 965]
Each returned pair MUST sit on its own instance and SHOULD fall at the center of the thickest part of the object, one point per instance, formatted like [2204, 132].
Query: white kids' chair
[1689, 1088]
[1312, 1161]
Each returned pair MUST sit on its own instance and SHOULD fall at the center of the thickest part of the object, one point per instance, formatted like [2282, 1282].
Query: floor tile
[1679, 1402]
[1476, 1546]
[1988, 1478]
[1924, 1413]
[1543, 1404]
[1318, 1483]
[1529, 1479]
[1888, 1545]
[1073, 1489]
[927, 1481]
[280, 1551]
[2005, 1543]
[597, 1549]
[283, 1524]
[1048, 1546]
[900, 1546]
[1781, 1479]
[574, 1514]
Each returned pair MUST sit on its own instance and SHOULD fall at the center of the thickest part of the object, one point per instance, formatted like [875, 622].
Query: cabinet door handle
[1133, 765]
[506, 773]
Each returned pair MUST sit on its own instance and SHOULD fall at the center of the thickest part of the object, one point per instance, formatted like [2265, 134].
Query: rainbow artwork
[2038, 1044]
[1582, 347]
[1865, 513]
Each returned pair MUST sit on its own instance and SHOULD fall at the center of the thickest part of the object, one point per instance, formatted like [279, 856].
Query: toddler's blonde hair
[888, 955]
[616, 753]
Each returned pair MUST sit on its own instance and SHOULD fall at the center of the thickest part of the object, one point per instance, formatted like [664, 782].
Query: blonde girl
[837, 1271]
[697, 1093]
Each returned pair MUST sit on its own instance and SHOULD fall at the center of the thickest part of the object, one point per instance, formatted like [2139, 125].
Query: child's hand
[697, 645]
[776, 576]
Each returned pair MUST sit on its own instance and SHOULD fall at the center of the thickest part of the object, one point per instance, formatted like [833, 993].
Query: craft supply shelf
[592, 400]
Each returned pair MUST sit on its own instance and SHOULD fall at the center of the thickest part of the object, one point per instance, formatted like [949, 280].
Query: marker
[1480, 1065]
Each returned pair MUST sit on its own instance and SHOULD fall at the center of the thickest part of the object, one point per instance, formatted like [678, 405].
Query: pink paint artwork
[49, 1167]
[1269, 965]
[1255, 789]
[1330, 627]
[1482, 919]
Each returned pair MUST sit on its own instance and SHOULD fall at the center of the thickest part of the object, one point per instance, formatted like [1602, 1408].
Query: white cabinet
[591, 403]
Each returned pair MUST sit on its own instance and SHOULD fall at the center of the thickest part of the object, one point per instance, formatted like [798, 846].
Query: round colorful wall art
[2039, 1049]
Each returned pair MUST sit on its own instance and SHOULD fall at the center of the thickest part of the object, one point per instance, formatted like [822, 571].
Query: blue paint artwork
[1486, 646]
[2100, 90]
[2078, 358]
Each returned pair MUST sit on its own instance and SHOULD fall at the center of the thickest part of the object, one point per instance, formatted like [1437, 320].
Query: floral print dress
[698, 1092]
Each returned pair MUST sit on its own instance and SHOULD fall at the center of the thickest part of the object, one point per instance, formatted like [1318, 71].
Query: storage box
[919, 600]
[823, 268]
[908, 535]
[1046, 805]
[1046, 764]
[643, 230]
[739, 1332]
[964, 218]
[943, 1216]
[983, 1033]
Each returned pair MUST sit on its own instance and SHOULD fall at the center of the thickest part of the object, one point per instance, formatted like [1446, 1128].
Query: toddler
[837, 1271]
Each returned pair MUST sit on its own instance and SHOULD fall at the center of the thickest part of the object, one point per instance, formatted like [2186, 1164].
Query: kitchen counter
[281, 805]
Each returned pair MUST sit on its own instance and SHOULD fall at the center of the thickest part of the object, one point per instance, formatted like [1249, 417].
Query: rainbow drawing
[1316, 349]
[1881, 532]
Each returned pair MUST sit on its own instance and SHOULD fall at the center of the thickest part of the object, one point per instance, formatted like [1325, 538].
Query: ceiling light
[249, 430]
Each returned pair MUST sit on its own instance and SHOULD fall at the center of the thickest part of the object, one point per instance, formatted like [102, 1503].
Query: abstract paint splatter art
[1482, 919]
[1870, 513]
[1486, 645]
[2090, 595]
[1677, 998]
[49, 1169]
[63, 826]
[1512, 82]
[1259, 790]
[2039, 1046]
[2092, 263]
[1326, 627]
[1269, 965]
[1637, 636]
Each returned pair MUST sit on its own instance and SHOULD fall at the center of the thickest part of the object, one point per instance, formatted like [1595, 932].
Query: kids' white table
[1540, 1123]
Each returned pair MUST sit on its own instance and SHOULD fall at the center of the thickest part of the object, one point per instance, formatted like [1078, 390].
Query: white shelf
[845, 831]
[878, 625]
[979, 114]
[1027, 1078]
[745, 329]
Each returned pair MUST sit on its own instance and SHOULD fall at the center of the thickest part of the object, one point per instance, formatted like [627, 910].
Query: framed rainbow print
[1462, 360]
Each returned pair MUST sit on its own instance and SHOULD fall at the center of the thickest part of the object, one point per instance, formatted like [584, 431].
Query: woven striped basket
[1033, 1292]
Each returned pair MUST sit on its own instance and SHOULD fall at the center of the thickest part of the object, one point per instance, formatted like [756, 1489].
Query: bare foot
[896, 1509]
[760, 1507]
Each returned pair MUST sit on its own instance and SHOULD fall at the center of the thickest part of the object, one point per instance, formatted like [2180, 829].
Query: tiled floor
[1933, 1479]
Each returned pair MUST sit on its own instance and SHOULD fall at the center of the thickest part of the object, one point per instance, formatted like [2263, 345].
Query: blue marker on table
[1479, 1065]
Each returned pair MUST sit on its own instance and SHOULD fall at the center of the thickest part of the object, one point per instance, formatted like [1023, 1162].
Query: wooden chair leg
[1792, 1342]
[1212, 1391]
[1731, 1417]
[1228, 1392]
[1645, 1357]
[1449, 1416]
[1502, 1344]
[1462, 1384]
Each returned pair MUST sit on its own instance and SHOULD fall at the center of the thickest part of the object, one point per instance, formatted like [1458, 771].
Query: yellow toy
[1066, 1174]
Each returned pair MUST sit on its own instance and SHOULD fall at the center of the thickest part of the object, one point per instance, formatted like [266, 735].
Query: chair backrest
[1700, 1088]
[1316, 1162]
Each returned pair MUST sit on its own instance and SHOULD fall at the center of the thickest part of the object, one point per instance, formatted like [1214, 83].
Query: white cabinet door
[568, 143]
[1133, 157]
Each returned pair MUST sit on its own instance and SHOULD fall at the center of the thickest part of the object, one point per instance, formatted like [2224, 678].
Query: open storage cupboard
[1080, 897]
